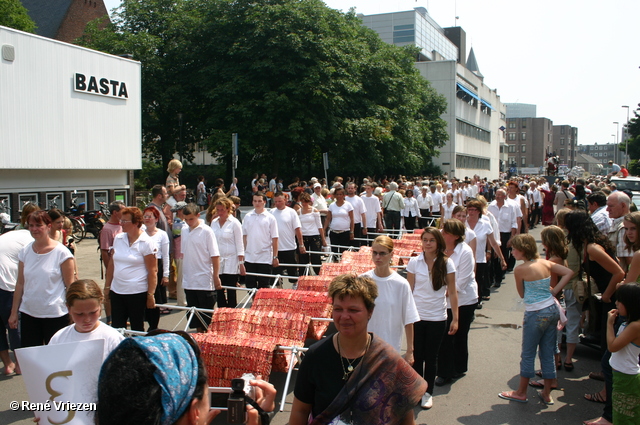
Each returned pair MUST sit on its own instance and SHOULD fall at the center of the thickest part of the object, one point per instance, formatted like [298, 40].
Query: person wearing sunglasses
[161, 379]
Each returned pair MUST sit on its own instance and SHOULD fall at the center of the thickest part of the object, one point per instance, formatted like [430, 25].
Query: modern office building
[604, 153]
[565, 143]
[521, 110]
[475, 115]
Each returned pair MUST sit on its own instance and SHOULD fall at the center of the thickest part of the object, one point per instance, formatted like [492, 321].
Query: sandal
[568, 366]
[595, 397]
[540, 384]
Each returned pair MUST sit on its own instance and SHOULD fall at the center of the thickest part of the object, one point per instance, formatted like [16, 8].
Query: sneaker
[427, 401]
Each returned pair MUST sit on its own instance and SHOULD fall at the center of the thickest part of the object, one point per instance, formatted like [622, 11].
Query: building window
[100, 196]
[512, 137]
[512, 160]
[466, 161]
[121, 195]
[55, 200]
[403, 34]
[561, 152]
[512, 123]
[523, 148]
[562, 140]
[512, 148]
[523, 161]
[562, 130]
[523, 122]
[27, 198]
[470, 130]
[523, 136]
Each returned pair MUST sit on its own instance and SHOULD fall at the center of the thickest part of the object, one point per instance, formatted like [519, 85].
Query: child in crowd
[84, 299]
[625, 348]
[533, 282]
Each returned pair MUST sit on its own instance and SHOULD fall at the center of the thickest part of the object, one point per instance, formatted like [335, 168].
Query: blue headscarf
[176, 371]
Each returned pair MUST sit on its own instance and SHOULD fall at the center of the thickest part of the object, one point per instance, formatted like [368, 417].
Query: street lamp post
[616, 155]
[626, 145]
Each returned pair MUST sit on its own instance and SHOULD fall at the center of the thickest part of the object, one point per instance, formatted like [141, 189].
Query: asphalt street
[494, 343]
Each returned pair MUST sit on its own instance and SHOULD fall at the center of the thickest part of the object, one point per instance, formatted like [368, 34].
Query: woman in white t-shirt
[228, 231]
[83, 300]
[45, 269]
[460, 213]
[395, 311]
[312, 233]
[431, 276]
[150, 217]
[132, 273]
[340, 222]
[447, 207]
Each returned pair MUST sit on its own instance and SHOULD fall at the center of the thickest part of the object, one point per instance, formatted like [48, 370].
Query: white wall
[45, 124]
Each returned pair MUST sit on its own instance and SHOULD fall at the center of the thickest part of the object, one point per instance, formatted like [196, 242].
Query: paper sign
[62, 381]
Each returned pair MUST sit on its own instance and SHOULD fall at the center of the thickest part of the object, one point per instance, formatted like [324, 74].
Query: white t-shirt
[310, 223]
[358, 208]
[260, 229]
[11, 244]
[230, 245]
[288, 222]
[436, 198]
[372, 204]
[395, 308]
[448, 210]
[340, 220]
[44, 289]
[483, 229]
[161, 239]
[129, 269]
[111, 337]
[198, 246]
[432, 305]
[466, 284]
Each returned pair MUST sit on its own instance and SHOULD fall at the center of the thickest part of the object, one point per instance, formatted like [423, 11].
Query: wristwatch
[275, 258]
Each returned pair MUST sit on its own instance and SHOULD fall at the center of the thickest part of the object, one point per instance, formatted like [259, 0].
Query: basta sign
[101, 87]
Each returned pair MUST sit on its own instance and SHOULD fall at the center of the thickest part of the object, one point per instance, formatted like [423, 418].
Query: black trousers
[536, 214]
[36, 331]
[343, 239]
[410, 222]
[200, 299]
[287, 257]
[312, 243]
[427, 339]
[257, 281]
[484, 285]
[128, 307]
[357, 233]
[506, 252]
[152, 315]
[227, 297]
[453, 358]
[392, 219]
[425, 218]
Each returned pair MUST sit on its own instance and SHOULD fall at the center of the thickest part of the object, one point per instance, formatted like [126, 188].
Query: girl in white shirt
[150, 217]
[431, 276]
[228, 231]
[410, 211]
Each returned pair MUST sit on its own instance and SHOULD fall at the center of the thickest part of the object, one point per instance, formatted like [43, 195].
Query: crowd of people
[472, 232]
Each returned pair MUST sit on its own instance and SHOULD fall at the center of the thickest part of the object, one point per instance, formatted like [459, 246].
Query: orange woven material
[311, 303]
[314, 283]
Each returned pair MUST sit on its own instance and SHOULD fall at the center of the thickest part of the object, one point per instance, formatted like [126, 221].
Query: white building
[475, 115]
[69, 119]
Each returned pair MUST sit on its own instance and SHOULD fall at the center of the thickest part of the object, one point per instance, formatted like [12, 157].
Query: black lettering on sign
[100, 86]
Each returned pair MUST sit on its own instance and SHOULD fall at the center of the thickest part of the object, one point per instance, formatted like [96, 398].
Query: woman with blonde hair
[173, 168]
[396, 310]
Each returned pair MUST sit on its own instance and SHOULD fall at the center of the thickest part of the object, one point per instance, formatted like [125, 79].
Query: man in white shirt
[599, 215]
[436, 201]
[374, 211]
[201, 265]
[536, 207]
[424, 205]
[288, 231]
[505, 214]
[260, 238]
[359, 214]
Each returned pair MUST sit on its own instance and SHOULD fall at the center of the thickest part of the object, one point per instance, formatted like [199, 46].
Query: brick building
[565, 143]
[529, 140]
[64, 20]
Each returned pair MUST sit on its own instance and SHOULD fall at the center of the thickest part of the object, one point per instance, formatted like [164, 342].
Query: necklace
[349, 369]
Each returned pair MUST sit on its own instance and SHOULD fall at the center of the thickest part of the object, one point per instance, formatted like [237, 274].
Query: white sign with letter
[62, 381]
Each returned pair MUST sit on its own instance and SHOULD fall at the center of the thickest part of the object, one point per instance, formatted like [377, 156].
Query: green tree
[293, 78]
[633, 139]
[14, 15]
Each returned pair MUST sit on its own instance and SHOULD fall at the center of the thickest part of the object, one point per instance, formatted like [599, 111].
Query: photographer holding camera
[161, 379]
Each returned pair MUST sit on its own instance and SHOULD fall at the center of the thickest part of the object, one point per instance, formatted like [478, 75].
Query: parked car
[631, 183]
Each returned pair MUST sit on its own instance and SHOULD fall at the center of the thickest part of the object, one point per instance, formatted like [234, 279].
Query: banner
[62, 381]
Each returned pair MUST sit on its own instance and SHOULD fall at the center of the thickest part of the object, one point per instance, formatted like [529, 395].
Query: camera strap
[265, 419]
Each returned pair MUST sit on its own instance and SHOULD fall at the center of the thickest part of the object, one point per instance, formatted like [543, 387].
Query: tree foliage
[293, 78]
[632, 130]
[14, 15]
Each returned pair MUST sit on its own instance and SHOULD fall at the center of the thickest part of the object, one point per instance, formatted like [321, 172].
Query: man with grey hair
[618, 206]
[392, 204]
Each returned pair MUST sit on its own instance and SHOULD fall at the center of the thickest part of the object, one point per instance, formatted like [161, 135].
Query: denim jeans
[539, 331]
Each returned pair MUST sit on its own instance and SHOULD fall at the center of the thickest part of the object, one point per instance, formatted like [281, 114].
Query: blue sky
[578, 61]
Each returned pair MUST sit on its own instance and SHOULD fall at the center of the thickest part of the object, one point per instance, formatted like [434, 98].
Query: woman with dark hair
[410, 211]
[151, 216]
[340, 222]
[45, 270]
[354, 376]
[160, 379]
[132, 274]
[431, 276]
[454, 352]
[580, 200]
